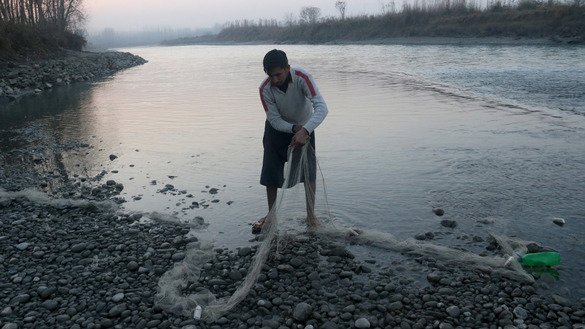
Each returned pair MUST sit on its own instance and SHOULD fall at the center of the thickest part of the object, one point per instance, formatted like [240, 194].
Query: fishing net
[175, 296]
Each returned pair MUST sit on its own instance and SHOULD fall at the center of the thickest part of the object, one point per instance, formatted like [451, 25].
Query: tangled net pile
[171, 295]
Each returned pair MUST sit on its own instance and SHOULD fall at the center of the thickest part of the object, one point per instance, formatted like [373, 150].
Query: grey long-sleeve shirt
[301, 104]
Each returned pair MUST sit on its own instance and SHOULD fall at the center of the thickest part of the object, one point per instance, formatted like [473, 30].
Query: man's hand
[300, 138]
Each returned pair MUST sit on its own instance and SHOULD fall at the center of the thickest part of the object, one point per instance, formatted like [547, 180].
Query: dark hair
[274, 58]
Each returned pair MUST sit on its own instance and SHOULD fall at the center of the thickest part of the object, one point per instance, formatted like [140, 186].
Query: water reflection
[406, 132]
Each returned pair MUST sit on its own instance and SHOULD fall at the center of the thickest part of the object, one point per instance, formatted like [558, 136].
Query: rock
[520, 313]
[534, 248]
[449, 223]
[21, 299]
[10, 325]
[111, 182]
[113, 157]
[45, 292]
[362, 323]
[453, 311]
[243, 252]
[22, 246]
[438, 211]
[117, 310]
[395, 306]
[559, 221]
[213, 190]
[302, 312]
[340, 252]
[118, 297]
[179, 256]
[78, 247]
[132, 266]
[297, 262]
[50, 304]
[235, 275]
[5, 203]
[434, 277]
[329, 325]
[6, 311]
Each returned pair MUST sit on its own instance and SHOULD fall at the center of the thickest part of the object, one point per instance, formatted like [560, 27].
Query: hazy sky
[140, 14]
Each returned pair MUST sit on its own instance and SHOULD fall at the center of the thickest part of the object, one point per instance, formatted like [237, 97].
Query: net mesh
[173, 294]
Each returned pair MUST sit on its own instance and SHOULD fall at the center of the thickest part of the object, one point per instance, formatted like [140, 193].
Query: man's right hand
[300, 138]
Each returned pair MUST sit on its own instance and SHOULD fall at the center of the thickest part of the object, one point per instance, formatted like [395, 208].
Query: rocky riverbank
[71, 259]
[18, 79]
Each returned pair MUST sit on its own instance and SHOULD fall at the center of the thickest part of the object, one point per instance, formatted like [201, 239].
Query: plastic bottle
[547, 258]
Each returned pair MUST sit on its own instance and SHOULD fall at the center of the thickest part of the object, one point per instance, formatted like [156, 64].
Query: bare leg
[310, 188]
[271, 193]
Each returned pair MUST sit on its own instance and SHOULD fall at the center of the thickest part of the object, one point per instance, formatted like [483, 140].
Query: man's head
[276, 66]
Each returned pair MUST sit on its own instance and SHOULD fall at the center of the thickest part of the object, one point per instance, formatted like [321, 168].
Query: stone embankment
[18, 79]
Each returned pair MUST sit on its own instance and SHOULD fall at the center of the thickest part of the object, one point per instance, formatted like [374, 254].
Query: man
[294, 108]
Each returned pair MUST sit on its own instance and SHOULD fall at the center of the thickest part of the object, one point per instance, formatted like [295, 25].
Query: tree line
[40, 26]
[559, 20]
[61, 14]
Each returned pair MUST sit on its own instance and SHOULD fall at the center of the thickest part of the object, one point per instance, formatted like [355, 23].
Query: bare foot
[257, 227]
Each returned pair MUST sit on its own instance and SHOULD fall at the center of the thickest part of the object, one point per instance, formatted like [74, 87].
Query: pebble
[6, 311]
[22, 246]
[453, 311]
[179, 256]
[98, 270]
[362, 323]
[118, 297]
[132, 266]
[449, 223]
[50, 304]
[302, 311]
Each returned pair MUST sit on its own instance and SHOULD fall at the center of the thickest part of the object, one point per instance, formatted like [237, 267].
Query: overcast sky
[141, 14]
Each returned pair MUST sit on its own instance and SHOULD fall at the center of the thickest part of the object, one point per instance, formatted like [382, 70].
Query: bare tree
[62, 14]
[388, 7]
[289, 19]
[310, 15]
[341, 5]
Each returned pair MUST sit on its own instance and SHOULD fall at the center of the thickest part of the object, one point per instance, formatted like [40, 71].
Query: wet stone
[362, 323]
[132, 266]
[179, 256]
[50, 304]
[302, 311]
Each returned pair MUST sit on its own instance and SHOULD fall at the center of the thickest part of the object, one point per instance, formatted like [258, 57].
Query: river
[491, 134]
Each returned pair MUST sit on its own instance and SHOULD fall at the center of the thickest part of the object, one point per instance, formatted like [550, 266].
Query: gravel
[86, 265]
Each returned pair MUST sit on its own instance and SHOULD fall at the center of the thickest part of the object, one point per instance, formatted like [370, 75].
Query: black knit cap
[273, 59]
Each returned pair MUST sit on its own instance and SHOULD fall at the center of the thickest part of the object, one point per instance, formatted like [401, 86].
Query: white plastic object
[197, 313]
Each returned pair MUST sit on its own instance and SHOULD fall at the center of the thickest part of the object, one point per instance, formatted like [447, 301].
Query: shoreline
[73, 260]
[19, 78]
[461, 41]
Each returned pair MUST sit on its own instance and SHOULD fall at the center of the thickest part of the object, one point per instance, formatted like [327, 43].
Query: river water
[491, 134]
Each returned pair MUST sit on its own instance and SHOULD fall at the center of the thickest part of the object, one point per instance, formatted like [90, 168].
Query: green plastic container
[547, 258]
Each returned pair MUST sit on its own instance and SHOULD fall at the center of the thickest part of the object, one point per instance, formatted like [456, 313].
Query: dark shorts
[275, 156]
